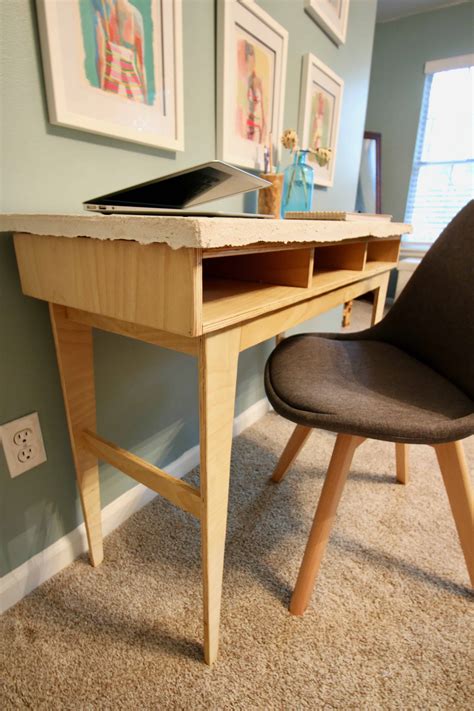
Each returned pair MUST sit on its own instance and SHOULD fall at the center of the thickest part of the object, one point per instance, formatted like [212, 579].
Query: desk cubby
[290, 267]
[240, 285]
[386, 250]
[333, 257]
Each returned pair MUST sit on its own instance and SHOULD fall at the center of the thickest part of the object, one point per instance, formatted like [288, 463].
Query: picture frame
[331, 16]
[319, 113]
[115, 70]
[251, 75]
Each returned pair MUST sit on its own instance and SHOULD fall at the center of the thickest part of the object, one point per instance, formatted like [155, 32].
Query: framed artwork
[251, 74]
[319, 113]
[115, 67]
[331, 16]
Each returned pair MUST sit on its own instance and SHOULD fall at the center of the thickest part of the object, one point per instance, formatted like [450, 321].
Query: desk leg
[218, 359]
[76, 369]
[380, 297]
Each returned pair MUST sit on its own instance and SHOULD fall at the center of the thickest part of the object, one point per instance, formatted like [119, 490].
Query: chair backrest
[433, 318]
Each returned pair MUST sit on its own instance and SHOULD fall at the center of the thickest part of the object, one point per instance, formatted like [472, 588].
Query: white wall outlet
[23, 444]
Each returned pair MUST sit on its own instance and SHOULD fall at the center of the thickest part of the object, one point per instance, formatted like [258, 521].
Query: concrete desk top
[198, 232]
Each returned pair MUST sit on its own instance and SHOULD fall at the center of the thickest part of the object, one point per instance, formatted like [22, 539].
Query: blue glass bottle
[298, 185]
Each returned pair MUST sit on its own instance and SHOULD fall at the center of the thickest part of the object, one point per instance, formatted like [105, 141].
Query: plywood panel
[386, 250]
[173, 341]
[228, 302]
[152, 285]
[268, 325]
[289, 268]
[342, 256]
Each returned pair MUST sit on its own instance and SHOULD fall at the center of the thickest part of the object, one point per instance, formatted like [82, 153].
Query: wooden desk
[230, 284]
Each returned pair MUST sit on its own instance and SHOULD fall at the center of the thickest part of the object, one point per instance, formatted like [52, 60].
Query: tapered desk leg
[218, 359]
[76, 369]
[380, 297]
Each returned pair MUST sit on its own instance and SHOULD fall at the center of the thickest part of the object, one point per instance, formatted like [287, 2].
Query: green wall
[401, 49]
[147, 397]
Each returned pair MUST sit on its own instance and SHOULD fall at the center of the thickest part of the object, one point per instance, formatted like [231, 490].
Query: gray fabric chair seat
[367, 388]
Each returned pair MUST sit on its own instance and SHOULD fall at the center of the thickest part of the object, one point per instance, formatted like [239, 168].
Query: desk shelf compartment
[239, 285]
[230, 301]
[386, 250]
[282, 267]
[355, 256]
[336, 257]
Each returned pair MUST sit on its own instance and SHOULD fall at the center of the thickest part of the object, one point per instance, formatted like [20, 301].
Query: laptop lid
[186, 188]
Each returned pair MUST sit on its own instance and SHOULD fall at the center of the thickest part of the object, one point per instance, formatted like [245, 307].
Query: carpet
[387, 628]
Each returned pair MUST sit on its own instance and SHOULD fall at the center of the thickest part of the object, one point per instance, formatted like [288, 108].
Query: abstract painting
[321, 118]
[115, 67]
[118, 45]
[253, 102]
[251, 66]
[319, 113]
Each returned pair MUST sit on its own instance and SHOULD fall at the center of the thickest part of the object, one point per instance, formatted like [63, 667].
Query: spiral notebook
[336, 215]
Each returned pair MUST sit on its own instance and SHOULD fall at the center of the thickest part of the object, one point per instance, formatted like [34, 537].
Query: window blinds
[442, 179]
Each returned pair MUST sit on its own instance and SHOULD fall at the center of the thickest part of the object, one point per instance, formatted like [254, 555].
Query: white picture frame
[101, 81]
[331, 16]
[248, 37]
[319, 114]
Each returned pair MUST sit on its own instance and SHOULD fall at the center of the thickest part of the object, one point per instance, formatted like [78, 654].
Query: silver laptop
[180, 193]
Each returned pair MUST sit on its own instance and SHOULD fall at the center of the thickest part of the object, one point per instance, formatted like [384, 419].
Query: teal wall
[401, 49]
[147, 397]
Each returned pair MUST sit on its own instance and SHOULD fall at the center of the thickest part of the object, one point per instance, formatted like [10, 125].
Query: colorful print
[118, 43]
[255, 69]
[322, 111]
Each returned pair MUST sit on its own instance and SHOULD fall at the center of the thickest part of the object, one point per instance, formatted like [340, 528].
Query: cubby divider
[351, 255]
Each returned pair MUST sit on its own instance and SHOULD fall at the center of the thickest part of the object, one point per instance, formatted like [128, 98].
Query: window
[442, 179]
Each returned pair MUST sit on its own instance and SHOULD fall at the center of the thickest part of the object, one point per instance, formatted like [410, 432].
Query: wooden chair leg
[291, 451]
[401, 456]
[458, 488]
[323, 520]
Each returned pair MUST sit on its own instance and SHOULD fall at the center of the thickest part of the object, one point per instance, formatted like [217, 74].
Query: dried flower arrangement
[289, 139]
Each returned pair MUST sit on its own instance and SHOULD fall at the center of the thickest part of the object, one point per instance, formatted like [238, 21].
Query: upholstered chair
[409, 379]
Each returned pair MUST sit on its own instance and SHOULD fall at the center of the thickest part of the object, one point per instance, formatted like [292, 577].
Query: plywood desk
[209, 287]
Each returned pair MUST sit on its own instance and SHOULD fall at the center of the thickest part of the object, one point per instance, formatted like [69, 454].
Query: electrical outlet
[22, 437]
[23, 444]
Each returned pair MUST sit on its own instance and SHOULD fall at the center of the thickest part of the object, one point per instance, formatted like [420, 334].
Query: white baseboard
[35, 571]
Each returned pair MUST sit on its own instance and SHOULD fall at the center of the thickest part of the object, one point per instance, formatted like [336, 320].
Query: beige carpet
[388, 627]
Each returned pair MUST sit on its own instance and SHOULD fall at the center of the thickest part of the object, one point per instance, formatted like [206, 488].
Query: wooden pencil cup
[269, 199]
